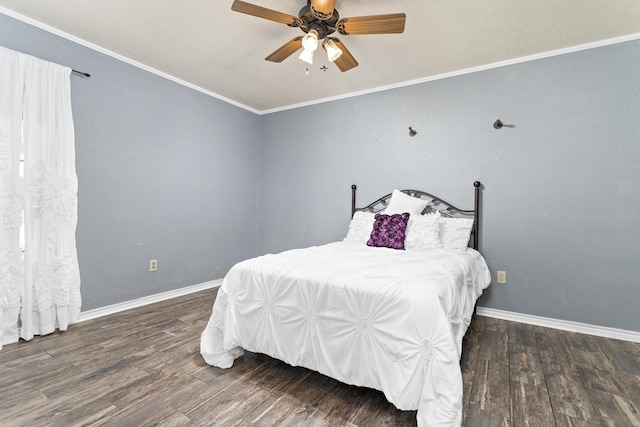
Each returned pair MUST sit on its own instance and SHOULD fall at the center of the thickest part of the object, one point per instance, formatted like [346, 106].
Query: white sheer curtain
[40, 286]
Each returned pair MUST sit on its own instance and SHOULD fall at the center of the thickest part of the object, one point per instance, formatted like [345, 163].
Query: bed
[385, 308]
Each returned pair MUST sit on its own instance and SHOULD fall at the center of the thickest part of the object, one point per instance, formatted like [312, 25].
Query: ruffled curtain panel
[40, 282]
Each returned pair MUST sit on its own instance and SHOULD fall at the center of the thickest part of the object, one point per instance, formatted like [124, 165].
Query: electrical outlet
[153, 265]
[501, 277]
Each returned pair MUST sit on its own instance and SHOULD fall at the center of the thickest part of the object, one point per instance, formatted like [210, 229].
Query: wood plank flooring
[142, 367]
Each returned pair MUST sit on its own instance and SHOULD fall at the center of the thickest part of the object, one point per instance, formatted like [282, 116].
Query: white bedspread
[375, 317]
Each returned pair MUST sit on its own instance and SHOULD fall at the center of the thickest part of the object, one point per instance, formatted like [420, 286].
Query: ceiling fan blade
[324, 7]
[374, 24]
[346, 61]
[262, 12]
[286, 50]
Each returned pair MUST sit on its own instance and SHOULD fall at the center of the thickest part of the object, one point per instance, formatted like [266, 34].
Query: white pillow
[455, 232]
[360, 227]
[423, 232]
[401, 203]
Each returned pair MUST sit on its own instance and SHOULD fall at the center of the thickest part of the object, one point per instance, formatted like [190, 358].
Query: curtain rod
[81, 73]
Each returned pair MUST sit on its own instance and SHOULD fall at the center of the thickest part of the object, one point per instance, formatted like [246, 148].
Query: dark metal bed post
[353, 199]
[476, 215]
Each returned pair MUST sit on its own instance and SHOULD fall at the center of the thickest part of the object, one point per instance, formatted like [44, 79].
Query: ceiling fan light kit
[319, 19]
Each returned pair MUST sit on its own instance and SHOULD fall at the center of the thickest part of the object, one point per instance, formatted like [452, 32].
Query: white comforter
[375, 317]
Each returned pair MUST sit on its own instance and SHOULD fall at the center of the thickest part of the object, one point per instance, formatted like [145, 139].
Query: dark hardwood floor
[143, 367]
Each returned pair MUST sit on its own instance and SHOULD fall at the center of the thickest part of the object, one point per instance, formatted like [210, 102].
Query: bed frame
[435, 204]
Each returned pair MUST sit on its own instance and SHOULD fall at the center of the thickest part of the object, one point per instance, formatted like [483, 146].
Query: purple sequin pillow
[388, 231]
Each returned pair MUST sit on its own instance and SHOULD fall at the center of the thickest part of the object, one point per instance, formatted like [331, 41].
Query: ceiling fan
[319, 19]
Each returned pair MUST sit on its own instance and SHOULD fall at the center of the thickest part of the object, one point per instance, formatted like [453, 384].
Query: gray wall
[169, 173]
[561, 197]
[164, 172]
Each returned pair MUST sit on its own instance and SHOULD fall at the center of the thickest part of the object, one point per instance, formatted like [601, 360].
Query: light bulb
[310, 40]
[306, 56]
[333, 51]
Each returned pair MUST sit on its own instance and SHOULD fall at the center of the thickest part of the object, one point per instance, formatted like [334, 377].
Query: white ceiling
[207, 45]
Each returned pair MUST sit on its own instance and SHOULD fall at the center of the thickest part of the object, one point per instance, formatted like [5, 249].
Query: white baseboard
[127, 305]
[564, 325]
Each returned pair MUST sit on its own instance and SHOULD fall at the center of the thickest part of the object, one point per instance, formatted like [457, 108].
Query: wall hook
[412, 132]
[498, 124]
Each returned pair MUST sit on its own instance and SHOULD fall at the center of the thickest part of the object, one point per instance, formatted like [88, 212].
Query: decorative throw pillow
[360, 228]
[423, 232]
[401, 202]
[389, 230]
[455, 232]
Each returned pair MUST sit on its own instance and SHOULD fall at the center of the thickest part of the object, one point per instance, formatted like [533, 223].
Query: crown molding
[543, 55]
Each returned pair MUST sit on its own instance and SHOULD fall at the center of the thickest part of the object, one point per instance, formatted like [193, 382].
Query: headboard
[434, 204]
